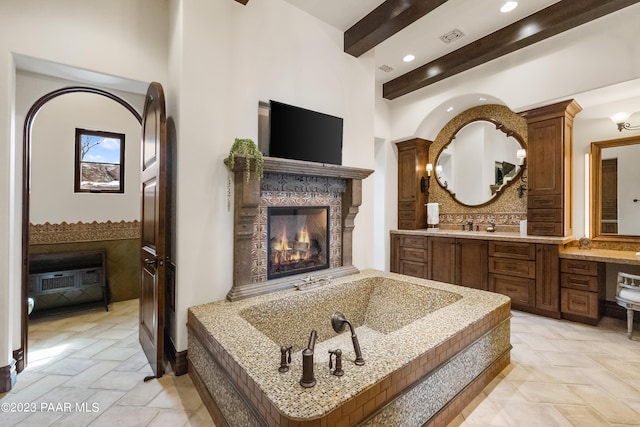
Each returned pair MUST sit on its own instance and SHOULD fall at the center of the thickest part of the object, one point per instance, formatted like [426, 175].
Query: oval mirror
[479, 161]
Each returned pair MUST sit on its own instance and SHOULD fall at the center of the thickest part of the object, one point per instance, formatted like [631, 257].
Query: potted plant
[243, 148]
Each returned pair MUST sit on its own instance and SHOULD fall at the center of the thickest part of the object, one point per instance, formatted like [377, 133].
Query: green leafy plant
[244, 148]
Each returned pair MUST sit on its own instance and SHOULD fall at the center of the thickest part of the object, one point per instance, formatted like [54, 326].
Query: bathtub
[429, 349]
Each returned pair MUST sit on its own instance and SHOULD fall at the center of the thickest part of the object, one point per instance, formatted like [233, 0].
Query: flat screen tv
[300, 134]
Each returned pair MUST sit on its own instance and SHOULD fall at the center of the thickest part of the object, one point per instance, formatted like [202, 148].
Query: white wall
[52, 197]
[230, 58]
[216, 61]
[116, 37]
[587, 130]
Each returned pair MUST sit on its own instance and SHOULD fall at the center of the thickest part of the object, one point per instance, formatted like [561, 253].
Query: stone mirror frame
[479, 161]
[615, 196]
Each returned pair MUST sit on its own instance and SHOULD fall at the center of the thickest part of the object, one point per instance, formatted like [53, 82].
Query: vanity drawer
[521, 291]
[579, 303]
[544, 215]
[544, 201]
[579, 266]
[412, 268]
[517, 250]
[544, 228]
[413, 242]
[406, 215]
[512, 267]
[406, 206]
[413, 254]
[579, 282]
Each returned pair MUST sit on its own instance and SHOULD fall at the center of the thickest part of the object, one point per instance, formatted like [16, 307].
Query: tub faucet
[338, 323]
[308, 379]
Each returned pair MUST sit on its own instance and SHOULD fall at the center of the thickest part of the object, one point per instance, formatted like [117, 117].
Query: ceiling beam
[548, 22]
[384, 21]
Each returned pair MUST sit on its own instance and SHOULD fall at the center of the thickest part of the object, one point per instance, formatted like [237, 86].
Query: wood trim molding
[177, 359]
[384, 21]
[18, 355]
[553, 20]
[8, 376]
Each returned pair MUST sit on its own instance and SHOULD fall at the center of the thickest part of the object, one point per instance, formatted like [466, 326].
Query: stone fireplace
[297, 240]
[272, 248]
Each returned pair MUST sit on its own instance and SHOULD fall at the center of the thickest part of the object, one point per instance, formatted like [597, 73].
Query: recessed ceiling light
[508, 6]
[408, 58]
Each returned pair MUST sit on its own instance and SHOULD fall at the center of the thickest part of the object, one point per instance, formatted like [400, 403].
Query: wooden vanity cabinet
[528, 273]
[549, 146]
[459, 261]
[413, 156]
[581, 296]
[409, 255]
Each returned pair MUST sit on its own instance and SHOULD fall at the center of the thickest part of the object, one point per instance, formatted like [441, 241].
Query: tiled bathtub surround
[415, 341]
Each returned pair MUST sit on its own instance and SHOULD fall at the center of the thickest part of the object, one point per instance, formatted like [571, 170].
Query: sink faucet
[470, 224]
[308, 379]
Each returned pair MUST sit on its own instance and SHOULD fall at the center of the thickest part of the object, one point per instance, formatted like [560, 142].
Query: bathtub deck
[445, 352]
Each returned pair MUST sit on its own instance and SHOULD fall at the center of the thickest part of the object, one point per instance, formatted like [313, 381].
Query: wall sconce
[521, 154]
[620, 119]
[425, 182]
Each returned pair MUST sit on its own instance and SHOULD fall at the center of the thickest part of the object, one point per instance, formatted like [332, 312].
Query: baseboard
[18, 355]
[177, 359]
[8, 376]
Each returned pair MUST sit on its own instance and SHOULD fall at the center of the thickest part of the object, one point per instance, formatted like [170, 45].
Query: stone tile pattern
[297, 190]
[82, 232]
[507, 209]
[399, 359]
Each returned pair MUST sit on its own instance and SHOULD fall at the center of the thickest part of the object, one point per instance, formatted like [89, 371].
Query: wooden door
[545, 156]
[471, 263]
[442, 255]
[155, 219]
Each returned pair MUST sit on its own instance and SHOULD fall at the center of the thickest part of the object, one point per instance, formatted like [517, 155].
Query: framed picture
[99, 162]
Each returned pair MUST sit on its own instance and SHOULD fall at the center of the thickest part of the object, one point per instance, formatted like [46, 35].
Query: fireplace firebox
[298, 240]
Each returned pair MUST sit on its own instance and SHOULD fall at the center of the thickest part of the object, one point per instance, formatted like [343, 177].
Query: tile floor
[562, 374]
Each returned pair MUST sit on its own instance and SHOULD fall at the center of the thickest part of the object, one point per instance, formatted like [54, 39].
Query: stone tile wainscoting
[121, 240]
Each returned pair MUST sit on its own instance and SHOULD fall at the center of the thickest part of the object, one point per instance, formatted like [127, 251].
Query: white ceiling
[475, 19]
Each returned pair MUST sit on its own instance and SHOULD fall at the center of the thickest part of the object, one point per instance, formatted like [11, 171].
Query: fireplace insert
[297, 240]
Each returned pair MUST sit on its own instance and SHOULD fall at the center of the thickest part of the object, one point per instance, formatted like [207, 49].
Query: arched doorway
[20, 355]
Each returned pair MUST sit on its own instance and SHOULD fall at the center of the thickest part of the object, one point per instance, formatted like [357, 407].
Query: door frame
[20, 355]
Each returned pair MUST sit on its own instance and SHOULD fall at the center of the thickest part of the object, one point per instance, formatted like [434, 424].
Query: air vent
[385, 68]
[451, 36]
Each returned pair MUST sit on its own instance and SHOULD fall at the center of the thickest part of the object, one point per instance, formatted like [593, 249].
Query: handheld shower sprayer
[338, 322]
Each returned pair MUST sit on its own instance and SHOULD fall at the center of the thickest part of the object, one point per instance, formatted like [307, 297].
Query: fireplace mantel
[247, 199]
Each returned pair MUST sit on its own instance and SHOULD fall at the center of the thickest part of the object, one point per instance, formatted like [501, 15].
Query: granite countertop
[602, 255]
[259, 355]
[485, 235]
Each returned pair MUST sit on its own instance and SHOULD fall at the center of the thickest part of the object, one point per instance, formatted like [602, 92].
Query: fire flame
[286, 253]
